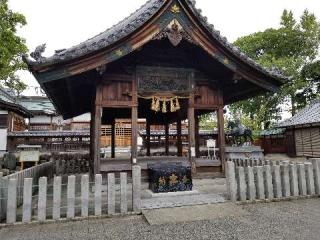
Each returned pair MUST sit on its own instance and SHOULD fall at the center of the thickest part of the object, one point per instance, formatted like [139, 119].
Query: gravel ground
[283, 220]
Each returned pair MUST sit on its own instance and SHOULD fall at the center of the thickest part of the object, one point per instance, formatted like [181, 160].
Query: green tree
[12, 47]
[291, 48]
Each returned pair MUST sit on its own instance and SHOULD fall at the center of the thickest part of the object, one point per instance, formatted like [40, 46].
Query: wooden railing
[51, 141]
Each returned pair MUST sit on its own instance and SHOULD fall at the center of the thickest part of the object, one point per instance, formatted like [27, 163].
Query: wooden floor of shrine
[206, 168]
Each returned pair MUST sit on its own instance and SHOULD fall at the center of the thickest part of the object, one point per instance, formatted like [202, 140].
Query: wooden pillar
[134, 122]
[221, 137]
[167, 139]
[113, 139]
[197, 136]
[148, 128]
[134, 134]
[179, 140]
[191, 134]
[96, 114]
[96, 137]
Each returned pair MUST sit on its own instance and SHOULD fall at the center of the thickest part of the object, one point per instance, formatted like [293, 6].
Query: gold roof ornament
[175, 9]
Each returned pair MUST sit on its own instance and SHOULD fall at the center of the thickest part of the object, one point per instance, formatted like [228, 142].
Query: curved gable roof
[131, 24]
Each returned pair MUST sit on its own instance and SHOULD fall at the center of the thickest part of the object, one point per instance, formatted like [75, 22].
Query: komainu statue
[238, 134]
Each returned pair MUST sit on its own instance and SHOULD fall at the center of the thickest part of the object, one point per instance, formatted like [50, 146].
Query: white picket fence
[45, 169]
[252, 180]
[74, 199]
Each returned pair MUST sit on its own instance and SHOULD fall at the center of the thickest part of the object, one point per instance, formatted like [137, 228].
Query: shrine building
[164, 63]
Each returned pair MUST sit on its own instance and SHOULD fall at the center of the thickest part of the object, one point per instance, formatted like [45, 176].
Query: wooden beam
[167, 139]
[221, 137]
[191, 134]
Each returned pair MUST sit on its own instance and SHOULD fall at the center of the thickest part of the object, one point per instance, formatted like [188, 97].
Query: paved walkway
[293, 220]
[206, 191]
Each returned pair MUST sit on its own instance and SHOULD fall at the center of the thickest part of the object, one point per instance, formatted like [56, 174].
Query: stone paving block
[111, 194]
[27, 200]
[309, 178]
[56, 198]
[97, 195]
[259, 182]
[302, 180]
[84, 195]
[293, 180]
[285, 180]
[242, 186]
[276, 180]
[123, 193]
[71, 197]
[251, 190]
[12, 201]
[316, 173]
[42, 199]
[268, 182]
[232, 187]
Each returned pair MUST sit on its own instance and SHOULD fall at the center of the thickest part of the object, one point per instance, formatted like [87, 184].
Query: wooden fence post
[231, 181]
[12, 201]
[136, 188]
[111, 193]
[71, 196]
[42, 199]
[97, 195]
[123, 194]
[268, 182]
[27, 200]
[316, 173]
[294, 180]
[56, 212]
[252, 193]
[302, 180]
[85, 196]
[309, 179]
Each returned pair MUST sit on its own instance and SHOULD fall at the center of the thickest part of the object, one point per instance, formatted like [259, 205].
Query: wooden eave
[134, 41]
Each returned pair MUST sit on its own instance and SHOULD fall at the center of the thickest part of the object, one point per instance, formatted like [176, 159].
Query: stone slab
[170, 194]
[180, 201]
[194, 213]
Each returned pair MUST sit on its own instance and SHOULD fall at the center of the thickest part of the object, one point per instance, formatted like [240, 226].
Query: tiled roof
[8, 100]
[274, 131]
[38, 105]
[131, 24]
[7, 95]
[309, 115]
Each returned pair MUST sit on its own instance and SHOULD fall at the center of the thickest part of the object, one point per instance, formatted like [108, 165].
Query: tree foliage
[293, 49]
[12, 47]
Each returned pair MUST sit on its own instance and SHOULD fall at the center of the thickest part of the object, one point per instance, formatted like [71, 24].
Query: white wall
[3, 139]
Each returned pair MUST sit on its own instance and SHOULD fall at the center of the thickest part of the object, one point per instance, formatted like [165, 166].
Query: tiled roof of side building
[131, 24]
[309, 115]
[38, 104]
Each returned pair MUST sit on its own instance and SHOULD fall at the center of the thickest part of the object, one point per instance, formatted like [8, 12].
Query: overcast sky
[63, 23]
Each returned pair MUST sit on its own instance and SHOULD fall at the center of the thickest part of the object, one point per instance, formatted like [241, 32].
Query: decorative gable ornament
[175, 33]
